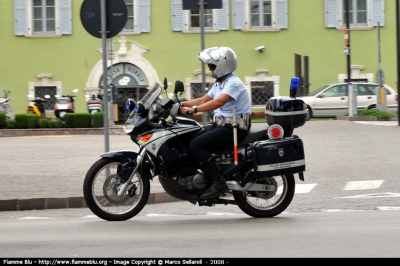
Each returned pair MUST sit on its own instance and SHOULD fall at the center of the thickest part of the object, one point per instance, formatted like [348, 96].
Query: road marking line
[220, 213]
[158, 214]
[304, 188]
[378, 123]
[89, 216]
[35, 218]
[359, 185]
[340, 210]
[383, 208]
[376, 195]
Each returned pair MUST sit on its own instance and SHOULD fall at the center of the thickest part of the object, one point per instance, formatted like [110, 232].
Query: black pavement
[42, 171]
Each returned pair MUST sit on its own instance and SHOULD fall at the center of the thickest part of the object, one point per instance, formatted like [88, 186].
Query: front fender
[129, 162]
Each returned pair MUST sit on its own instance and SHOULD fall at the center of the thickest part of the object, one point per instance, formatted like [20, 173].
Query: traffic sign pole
[104, 20]
[352, 94]
[105, 89]
[380, 92]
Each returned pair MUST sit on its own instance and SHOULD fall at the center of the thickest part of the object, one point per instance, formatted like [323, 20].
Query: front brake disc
[110, 190]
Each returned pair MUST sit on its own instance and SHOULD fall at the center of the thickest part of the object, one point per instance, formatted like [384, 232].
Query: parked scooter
[37, 108]
[5, 107]
[94, 104]
[64, 104]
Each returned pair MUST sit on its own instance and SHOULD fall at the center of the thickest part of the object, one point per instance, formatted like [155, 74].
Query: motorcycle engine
[197, 182]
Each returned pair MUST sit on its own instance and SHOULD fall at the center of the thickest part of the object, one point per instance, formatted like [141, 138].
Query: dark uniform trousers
[213, 140]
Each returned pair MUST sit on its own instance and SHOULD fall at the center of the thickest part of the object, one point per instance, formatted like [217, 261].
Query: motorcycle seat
[255, 133]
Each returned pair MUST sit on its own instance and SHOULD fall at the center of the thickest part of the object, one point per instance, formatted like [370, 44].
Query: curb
[67, 203]
[116, 130]
[365, 118]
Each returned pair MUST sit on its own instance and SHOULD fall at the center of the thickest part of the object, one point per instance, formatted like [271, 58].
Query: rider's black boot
[218, 185]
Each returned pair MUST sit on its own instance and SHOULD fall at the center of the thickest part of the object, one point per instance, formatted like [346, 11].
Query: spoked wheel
[261, 204]
[100, 191]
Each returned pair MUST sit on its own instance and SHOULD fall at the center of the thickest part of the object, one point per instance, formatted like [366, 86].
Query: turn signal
[146, 137]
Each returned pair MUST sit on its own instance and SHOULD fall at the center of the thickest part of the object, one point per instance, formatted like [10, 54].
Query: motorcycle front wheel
[264, 204]
[100, 191]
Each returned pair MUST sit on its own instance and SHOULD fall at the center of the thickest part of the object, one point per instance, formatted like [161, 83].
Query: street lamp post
[347, 8]
[203, 67]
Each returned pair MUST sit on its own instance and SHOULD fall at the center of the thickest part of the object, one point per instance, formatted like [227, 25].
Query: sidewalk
[43, 171]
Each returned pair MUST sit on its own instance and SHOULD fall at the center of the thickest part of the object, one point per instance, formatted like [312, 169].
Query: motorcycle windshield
[137, 121]
[151, 95]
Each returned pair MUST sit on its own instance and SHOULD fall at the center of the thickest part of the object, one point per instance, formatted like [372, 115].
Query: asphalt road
[337, 152]
[62, 234]
[348, 206]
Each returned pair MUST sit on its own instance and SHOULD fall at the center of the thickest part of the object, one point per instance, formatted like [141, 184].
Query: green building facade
[46, 50]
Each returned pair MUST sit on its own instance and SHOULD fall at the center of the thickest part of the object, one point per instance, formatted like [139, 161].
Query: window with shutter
[42, 18]
[138, 20]
[194, 21]
[363, 14]
[357, 13]
[188, 21]
[260, 15]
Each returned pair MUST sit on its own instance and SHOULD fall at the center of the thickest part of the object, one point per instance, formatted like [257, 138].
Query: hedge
[71, 120]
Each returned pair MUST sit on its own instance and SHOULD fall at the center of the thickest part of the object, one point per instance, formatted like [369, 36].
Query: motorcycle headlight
[128, 128]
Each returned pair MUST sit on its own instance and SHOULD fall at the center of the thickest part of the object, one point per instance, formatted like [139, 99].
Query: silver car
[332, 100]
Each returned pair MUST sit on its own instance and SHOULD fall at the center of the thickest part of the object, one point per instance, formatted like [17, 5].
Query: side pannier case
[279, 157]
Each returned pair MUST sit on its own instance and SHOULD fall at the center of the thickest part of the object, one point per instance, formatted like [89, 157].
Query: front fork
[122, 188]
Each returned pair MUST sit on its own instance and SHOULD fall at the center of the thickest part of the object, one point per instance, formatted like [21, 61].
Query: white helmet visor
[223, 57]
[210, 56]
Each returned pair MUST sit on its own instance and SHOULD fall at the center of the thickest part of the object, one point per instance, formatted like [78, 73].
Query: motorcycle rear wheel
[100, 191]
[268, 204]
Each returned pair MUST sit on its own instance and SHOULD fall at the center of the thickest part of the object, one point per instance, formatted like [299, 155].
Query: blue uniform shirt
[236, 89]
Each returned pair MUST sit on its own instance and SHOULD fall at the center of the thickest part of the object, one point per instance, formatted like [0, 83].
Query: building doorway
[123, 95]
[130, 82]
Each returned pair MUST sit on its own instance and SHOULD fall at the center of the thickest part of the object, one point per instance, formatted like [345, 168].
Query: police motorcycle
[259, 170]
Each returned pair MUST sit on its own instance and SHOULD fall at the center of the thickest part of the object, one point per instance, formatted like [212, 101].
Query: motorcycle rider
[228, 92]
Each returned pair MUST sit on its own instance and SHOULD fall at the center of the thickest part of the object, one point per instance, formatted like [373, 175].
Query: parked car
[332, 100]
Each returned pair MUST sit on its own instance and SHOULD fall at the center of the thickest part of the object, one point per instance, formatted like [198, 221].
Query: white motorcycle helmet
[223, 57]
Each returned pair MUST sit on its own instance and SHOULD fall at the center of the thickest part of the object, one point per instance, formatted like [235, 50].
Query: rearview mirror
[179, 87]
[165, 84]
